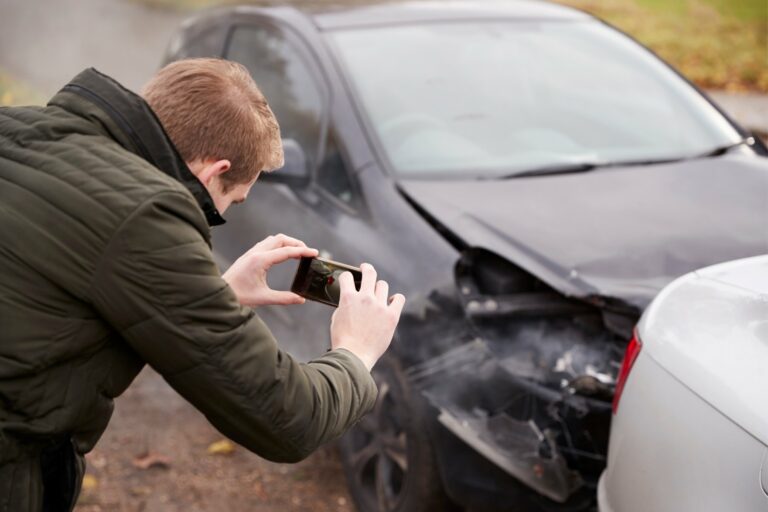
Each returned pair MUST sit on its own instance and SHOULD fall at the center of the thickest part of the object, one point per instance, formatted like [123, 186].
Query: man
[105, 265]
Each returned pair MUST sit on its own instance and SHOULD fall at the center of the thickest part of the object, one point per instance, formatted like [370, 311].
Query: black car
[529, 177]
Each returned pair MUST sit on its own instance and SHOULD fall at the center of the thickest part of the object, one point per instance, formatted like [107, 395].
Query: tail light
[633, 350]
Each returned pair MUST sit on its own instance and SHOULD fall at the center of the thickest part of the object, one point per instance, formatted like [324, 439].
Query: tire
[388, 459]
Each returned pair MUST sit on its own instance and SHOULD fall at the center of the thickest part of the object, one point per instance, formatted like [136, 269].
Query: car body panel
[660, 227]
[691, 429]
[670, 451]
[764, 474]
[711, 331]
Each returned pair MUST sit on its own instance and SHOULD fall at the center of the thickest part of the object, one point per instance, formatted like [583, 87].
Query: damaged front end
[528, 382]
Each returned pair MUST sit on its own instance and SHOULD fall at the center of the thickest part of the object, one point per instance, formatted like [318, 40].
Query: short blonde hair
[212, 109]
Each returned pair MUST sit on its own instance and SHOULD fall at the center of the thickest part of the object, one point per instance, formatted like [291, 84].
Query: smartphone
[318, 279]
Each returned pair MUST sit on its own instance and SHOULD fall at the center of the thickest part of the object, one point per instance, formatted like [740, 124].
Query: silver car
[690, 428]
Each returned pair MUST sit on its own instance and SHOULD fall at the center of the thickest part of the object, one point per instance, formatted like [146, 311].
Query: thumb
[281, 298]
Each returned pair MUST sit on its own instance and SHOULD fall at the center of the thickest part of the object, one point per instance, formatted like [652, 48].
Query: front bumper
[533, 435]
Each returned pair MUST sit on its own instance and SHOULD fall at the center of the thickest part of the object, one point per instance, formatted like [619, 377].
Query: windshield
[495, 98]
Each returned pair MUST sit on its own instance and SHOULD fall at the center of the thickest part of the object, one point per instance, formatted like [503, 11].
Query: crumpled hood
[620, 232]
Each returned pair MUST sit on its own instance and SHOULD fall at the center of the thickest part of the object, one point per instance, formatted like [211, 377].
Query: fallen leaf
[223, 447]
[89, 482]
[141, 491]
[150, 460]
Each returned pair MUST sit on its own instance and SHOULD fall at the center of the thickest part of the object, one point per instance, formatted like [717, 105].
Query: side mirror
[294, 172]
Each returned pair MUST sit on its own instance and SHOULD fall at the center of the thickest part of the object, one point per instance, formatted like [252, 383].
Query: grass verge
[718, 44]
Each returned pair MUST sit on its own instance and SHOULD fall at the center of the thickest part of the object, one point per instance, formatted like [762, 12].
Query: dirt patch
[157, 455]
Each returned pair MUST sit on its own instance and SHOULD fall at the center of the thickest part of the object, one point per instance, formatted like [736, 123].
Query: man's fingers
[368, 284]
[346, 284]
[275, 297]
[278, 241]
[396, 303]
[382, 291]
[282, 254]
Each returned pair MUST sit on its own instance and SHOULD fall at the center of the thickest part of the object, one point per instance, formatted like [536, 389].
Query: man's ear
[210, 169]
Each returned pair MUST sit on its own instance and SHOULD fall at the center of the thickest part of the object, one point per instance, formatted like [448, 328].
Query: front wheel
[387, 457]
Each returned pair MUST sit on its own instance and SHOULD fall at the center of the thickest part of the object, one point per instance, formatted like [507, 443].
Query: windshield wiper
[554, 169]
[587, 166]
[576, 167]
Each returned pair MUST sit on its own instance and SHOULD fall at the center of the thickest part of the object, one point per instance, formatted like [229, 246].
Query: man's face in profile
[235, 194]
[211, 174]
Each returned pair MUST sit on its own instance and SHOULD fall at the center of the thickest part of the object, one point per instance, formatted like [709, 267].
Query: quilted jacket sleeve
[158, 286]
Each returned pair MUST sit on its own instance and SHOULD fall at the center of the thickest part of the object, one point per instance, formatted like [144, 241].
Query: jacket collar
[136, 127]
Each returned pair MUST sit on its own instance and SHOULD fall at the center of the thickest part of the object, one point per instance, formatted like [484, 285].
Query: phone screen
[318, 279]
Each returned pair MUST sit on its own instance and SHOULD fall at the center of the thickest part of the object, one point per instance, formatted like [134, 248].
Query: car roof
[393, 13]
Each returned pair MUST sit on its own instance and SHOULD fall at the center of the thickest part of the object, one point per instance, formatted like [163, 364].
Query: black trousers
[62, 471]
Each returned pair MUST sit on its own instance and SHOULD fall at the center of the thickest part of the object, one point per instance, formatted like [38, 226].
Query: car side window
[207, 43]
[333, 174]
[285, 79]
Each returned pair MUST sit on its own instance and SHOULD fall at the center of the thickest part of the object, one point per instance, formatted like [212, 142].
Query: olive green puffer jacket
[105, 265]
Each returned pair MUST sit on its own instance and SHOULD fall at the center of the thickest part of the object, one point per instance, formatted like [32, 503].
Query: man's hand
[248, 275]
[365, 321]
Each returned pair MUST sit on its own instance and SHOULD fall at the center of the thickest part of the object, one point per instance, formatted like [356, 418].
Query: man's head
[219, 121]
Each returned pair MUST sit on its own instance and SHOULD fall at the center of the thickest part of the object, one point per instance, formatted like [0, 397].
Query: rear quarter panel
[671, 451]
[711, 333]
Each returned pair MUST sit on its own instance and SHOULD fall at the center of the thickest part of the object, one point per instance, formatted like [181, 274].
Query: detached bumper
[531, 434]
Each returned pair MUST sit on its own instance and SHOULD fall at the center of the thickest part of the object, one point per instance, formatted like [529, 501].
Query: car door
[325, 210]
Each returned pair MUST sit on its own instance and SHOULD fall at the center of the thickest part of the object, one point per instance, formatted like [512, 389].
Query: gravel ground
[155, 427]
